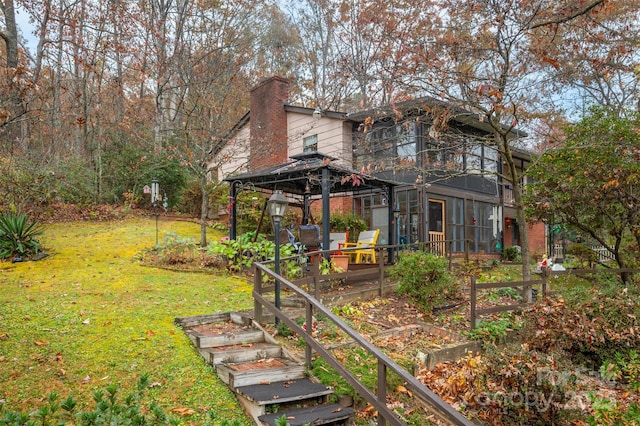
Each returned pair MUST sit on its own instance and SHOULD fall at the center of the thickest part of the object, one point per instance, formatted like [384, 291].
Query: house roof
[304, 175]
[462, 115]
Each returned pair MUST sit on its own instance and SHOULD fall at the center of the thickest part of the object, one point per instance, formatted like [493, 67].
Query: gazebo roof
[304, 173]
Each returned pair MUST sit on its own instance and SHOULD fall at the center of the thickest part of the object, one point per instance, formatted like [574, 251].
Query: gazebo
[308, 177]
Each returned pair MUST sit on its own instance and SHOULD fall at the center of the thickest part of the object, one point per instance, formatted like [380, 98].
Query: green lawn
[90, 315]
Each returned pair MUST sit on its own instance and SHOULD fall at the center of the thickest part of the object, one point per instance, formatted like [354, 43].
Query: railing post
[382, 389]
[545, 272]
[308, 350]
[315, 273]
[473, 303]
[380, 273]
[257, 287]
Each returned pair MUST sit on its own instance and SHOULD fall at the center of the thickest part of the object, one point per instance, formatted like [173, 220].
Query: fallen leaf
[87, 321]
[41, 343]
[4, 336]
[150, 332]
[183, 411]
[58, 356]
[86, 379]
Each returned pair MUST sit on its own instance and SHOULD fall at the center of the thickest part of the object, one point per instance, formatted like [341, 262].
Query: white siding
[334, 136]
[234, 157]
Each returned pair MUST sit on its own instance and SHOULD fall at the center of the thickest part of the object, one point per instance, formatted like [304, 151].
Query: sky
[25, 28]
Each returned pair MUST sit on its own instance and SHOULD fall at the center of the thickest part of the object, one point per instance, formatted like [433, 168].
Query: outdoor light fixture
[277, 207]
[317, 113]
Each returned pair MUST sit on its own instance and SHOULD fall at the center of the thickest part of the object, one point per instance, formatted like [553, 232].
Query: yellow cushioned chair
[365, 247]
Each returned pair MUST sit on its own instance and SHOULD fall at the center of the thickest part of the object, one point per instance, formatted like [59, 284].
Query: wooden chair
[365, 246]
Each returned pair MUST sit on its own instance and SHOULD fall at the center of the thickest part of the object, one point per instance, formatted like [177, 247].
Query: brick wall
[537, 237]
[537, 240]
[268, 123]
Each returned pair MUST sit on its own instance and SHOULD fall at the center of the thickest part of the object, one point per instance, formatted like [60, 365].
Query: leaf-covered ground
[90, 314]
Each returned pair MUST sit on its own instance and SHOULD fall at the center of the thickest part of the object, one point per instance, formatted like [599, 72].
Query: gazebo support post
[393, 238]
[232, 211]
[326, 211]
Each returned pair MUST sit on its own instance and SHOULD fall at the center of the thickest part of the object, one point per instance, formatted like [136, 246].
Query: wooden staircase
[267, 380]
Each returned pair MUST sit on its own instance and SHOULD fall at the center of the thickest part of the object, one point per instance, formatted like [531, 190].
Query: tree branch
[569, 17]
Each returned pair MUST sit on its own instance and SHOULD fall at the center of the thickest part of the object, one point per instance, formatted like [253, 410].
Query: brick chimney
[268, 123]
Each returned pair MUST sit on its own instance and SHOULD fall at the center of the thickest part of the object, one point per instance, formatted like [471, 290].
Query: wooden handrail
[385, 364]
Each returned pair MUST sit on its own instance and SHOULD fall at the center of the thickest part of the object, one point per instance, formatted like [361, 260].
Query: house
[446, 183]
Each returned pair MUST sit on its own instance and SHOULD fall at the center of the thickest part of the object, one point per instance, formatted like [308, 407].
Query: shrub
[109, 410]
[25, 185]
[584, 254]
[523, 386]
[17, 236]
[512, 254]
[177, 249]
[241, 253]
[348, 222]
[591, 323]
[424, 278]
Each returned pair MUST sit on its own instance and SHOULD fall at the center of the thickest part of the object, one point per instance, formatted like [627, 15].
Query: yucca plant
[18, 236]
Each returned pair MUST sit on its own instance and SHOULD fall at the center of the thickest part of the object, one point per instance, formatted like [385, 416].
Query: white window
[310, 144]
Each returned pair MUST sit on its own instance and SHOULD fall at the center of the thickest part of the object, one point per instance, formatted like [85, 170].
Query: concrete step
[241, 353]
[284, 392]
[261, 371]
[319, 415]
[259, 399]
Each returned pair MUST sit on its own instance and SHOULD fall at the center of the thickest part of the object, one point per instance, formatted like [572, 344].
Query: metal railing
[384, 363]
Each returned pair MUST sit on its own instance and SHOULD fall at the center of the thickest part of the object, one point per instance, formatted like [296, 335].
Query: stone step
[261, 371]
[332, 414]
[285, 392]
[241, 353]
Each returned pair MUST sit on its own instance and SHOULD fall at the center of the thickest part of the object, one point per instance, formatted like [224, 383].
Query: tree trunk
[204, 210]
[516, 181]
[16, 107]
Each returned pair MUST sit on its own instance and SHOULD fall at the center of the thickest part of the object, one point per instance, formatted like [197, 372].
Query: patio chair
[337, 240]
[309, 237]
[365, 246]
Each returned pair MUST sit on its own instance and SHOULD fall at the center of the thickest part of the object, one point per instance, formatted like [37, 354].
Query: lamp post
[277, 207]
[155, 197]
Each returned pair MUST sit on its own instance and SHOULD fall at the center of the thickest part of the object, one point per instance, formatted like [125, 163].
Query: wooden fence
[525, 285]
